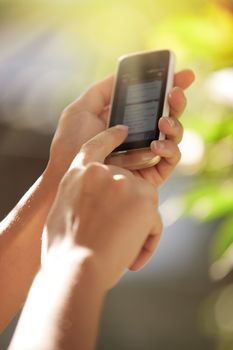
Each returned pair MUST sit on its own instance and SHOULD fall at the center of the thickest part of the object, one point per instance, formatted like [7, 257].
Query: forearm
[20, 244]
[65, 304]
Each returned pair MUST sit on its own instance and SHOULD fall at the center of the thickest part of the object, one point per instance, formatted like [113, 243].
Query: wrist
[71, 301]
[58, 164]
[49, 182]
[52, 176]
[77, 265]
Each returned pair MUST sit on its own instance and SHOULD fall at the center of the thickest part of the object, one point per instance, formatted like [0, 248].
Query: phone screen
[139, 97]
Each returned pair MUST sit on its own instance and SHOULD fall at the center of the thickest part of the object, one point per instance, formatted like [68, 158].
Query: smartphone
[140, 98]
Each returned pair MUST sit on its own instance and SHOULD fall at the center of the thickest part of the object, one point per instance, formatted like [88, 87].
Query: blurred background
[50, 51]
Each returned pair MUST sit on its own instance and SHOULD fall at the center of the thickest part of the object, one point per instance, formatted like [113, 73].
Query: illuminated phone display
[139, 97]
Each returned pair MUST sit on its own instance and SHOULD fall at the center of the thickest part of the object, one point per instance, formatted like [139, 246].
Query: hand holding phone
[140, 98]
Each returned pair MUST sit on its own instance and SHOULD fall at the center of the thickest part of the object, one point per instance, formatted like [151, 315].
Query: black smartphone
[139, 99]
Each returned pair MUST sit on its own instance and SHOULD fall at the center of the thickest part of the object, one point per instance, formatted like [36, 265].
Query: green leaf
[210, 201]
[223, 239]
[211, 129]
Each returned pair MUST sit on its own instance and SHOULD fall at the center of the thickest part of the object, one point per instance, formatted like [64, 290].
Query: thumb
[100, 146]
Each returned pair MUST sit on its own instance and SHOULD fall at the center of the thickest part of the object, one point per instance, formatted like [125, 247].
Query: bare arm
[20, 245]
[20, 232]
[65, 305]
[83, 258]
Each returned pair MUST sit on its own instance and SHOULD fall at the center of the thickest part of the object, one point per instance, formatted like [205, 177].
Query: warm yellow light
[220, 86]
[192, 149]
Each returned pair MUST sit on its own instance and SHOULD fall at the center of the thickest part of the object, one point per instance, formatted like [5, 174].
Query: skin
[20, 232]
[86, 252]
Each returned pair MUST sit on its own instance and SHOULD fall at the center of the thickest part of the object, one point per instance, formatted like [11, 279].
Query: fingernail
[170, 121]
[174, 90]
[121, 127]
[158, 145]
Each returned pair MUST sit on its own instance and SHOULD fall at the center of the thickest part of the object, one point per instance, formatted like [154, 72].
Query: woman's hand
[87, 116]
[104, 213]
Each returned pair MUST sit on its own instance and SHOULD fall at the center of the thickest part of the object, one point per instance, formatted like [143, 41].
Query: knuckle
[121, 188]
[73, 173]
[92, 144]
[69, 178]
[94, 170]
[120, 183]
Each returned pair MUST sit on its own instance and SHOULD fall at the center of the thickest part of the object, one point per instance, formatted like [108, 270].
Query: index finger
[101, 145]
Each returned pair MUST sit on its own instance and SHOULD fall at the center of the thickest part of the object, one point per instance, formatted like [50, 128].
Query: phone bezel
[146, 60]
